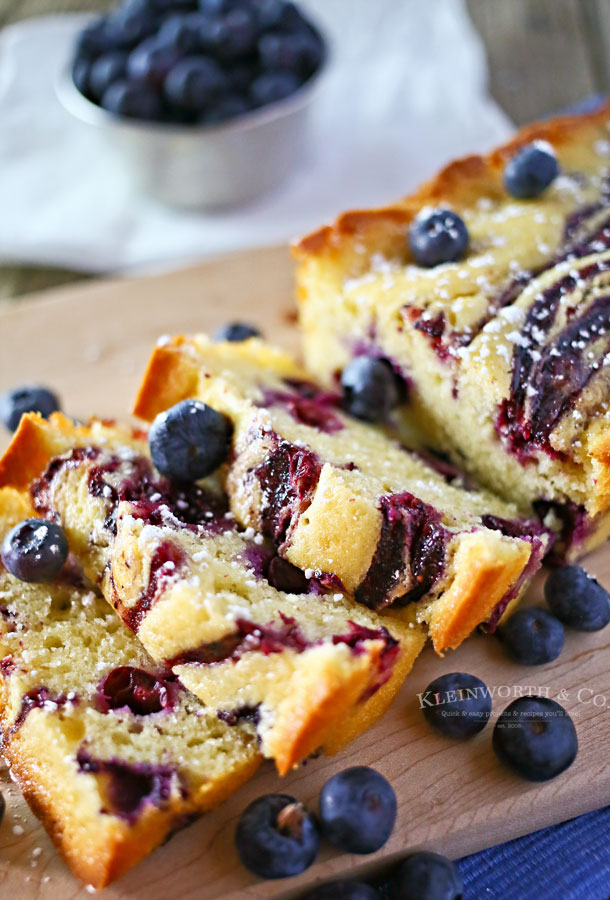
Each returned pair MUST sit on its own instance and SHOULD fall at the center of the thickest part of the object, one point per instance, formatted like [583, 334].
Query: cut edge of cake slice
[108, 783]
[311, 671]
[321, 511]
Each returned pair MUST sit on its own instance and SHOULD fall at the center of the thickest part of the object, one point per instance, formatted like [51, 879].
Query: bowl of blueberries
[206, 101]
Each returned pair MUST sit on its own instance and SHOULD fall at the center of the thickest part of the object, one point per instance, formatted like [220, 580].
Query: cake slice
[243, 630]
[341, 500]
[504, 353]
[110, 751]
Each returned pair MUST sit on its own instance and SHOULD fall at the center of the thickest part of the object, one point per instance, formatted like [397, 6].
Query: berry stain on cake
[165, 564]
[277, 637]
[307, 404]
[549, 374]
[129, 687]
[411, 531]
[131, 477]
[130, 786]
[287, 478]
[40, 698]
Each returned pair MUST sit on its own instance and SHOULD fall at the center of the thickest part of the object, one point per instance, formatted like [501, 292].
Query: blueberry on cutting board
[577, 599]
[276, 837]
[236, 332]
[358, 810]
[536, 738]
[30, 398]
[533, 636]
[457, 704]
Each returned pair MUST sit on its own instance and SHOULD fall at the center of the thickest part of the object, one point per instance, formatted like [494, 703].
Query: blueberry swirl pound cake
[242, 629]
[343, 502]
[488, 294]
[111, 752]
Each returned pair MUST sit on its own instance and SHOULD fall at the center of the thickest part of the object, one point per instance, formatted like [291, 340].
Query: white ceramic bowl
[205, 166]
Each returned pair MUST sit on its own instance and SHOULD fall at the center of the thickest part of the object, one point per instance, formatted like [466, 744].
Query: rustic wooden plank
[91, 343]
[596, 20]
[27, 9]
[538, 54]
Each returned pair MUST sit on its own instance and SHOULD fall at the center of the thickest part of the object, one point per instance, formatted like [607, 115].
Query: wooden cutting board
[91, 344]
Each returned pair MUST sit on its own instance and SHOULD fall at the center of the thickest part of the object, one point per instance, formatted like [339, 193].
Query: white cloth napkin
[406, 92]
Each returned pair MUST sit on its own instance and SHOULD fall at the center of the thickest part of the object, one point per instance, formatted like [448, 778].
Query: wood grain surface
[90, 342]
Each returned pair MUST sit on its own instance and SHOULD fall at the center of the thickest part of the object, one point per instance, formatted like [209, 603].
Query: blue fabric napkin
[570, 861]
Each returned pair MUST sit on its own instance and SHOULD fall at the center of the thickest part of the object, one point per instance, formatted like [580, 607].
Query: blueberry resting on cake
[254, 638]
[110, 751]
[488, 294]
[343, 502]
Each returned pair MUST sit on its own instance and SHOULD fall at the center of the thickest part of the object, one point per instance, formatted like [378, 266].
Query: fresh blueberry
[236, 332]
[105, 70]
[530, 171]
[193, 82]
[171, 7]
[242, 74]
[273, 86]
[357, 810]
[31, 398]
[35, 550]
[344, 890]
[182, 33]
[214, 7]
[457, 704]
[577, 599]
[232, 36]
[151, 61]
[277, 14]
[189, 441]
[437, 236]
[277, 837]
[370, 389]
[533, 636]
[426, 876]
[536, 737]
[298, 53]
[224, 108]
[132, 99]
[128, 28]
[94, 40]
[80, 75]
[134, 7]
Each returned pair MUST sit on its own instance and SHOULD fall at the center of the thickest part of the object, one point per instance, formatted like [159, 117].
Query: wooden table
[543, 55]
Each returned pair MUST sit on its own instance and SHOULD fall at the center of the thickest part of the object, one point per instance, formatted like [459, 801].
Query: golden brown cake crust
[456, 184]
[164, 382]
[34, 444]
